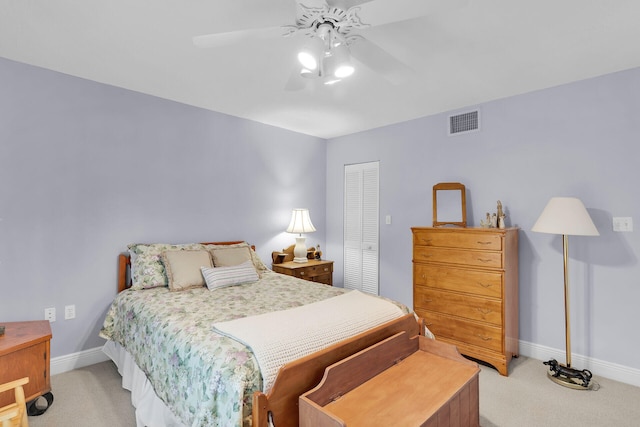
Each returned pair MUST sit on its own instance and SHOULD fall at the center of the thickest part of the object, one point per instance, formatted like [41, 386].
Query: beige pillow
[228, 257]
[183, 268]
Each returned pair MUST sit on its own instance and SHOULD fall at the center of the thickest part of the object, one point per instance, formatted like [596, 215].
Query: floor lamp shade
[300, 223]
[566, 216]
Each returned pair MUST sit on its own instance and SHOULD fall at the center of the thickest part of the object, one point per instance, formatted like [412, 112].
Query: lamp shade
[565, 215]
[300, 222]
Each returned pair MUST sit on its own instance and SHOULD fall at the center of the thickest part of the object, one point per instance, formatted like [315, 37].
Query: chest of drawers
[465, 286]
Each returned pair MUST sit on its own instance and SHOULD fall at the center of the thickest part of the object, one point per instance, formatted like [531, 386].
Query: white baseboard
[72, 361]
[613, 371]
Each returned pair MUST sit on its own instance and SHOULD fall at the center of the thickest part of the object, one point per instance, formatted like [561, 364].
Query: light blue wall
[87, 168]
[580, 140]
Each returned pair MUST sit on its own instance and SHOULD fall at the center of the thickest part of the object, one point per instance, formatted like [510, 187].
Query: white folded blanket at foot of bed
[280, 337]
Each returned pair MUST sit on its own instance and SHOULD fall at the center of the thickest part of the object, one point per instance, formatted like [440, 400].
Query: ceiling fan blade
[346, 4]
[381, 12]
[234, 37]
[379, 60]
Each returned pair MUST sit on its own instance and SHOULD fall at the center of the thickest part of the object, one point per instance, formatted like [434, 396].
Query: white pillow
[220, 277]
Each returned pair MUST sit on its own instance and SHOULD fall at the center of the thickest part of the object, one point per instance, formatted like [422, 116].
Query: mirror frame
[450, 186]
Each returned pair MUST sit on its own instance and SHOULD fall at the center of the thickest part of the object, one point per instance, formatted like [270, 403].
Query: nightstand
[24, 352]
[314, 270]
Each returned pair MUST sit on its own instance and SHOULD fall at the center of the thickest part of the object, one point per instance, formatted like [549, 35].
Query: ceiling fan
[330, 32]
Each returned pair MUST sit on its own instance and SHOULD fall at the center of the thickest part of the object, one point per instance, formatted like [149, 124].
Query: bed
[166, 333]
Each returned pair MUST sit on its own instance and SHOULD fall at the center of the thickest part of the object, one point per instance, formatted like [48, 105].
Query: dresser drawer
[467, 331]
[464, 240]
[477, 282]
[458, 256]
[460, 305]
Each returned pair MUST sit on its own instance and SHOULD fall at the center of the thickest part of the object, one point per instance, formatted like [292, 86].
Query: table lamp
[300, 223]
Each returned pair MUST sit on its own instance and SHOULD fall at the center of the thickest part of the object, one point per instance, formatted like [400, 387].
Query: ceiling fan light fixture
[309, 74]
[344, 70]
[308, 60]
[332, 81]
[338, 62]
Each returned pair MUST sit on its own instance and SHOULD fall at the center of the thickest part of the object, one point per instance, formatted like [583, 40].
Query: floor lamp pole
[566, 375]
[567, 317]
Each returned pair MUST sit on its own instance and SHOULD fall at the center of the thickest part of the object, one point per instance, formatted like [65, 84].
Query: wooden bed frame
[297, 377]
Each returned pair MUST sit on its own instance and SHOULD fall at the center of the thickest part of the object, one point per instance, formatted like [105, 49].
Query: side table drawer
[313, 271]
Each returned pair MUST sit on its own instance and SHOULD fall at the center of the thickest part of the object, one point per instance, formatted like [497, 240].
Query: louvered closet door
[361, 215]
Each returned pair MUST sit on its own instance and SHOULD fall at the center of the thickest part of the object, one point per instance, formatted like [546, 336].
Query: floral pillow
[147, 269]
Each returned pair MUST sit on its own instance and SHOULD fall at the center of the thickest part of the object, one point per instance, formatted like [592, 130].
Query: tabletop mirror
[449, 204]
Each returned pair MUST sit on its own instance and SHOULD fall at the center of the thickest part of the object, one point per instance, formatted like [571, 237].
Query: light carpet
[93, 397]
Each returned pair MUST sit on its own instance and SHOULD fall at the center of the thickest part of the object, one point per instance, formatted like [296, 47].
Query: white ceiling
[470, 52]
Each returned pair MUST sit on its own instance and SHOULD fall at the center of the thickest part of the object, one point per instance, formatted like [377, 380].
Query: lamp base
[569, 377]
[300, 250]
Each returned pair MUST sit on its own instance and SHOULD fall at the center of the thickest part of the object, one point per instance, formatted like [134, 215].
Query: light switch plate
[622, 223]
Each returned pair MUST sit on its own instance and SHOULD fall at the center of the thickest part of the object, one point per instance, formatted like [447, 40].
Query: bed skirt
[150, 410]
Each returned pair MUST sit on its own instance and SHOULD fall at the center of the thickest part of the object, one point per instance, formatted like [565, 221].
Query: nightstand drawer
[320, 271]
[313, 271]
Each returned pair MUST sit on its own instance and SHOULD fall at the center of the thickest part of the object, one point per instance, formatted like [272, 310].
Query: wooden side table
[24, 352]
[314, 270]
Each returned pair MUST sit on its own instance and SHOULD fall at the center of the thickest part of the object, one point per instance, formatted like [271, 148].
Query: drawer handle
[485, 285]
[425, 255]
[483, 243]
[427, 241]
[484, 337]
[302, 273]
[484, 311]
[483, 260]
[326, 269]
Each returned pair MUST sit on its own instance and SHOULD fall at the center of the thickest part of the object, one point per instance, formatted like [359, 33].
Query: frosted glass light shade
[565, 215]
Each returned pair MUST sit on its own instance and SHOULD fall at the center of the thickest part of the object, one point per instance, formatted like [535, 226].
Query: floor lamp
[566, 216]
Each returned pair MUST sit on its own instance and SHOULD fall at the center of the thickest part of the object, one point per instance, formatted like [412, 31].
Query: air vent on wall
[465, 122]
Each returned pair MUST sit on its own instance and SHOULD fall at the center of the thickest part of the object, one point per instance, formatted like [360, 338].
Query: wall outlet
[69, 312]
[50, 314]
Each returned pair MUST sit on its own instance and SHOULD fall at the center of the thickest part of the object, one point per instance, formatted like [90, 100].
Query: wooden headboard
[124, 264]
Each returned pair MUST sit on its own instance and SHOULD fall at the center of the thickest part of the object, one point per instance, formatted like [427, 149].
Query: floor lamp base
[569, 377]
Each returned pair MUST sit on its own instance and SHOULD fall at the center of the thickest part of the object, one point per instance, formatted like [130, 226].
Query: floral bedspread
[205, 378]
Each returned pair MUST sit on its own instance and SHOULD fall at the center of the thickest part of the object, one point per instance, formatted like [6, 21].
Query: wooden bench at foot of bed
[401, 381]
